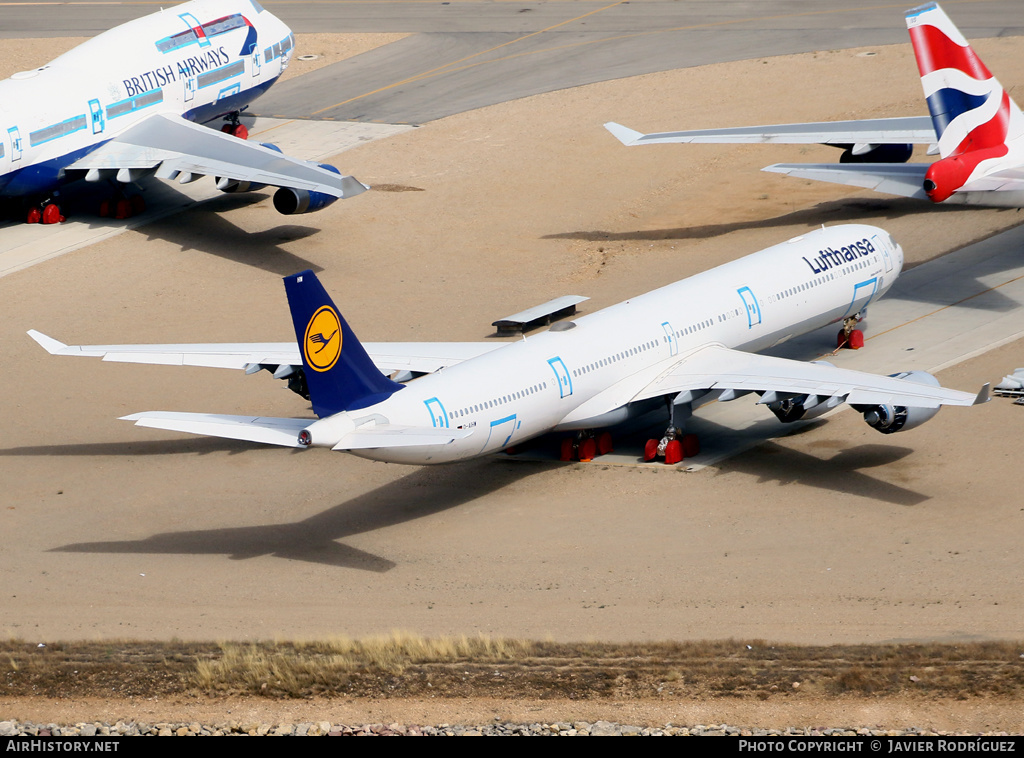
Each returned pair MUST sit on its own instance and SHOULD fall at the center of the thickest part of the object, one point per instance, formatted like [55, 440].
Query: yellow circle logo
[323, 340]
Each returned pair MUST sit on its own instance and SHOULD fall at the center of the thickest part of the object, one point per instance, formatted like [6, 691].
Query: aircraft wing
[912, 130]
[418, 357]
[270, 430]
[904, 179]
[715, 367]
[175, 147]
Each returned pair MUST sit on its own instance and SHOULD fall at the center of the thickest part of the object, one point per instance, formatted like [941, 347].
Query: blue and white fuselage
[590, 375]
[82, 114]
[684, 344]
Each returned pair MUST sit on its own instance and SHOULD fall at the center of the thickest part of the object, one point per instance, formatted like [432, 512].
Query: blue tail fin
[339, 374]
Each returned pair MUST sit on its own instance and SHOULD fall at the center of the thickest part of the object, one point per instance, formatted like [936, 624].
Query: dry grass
[407, 665]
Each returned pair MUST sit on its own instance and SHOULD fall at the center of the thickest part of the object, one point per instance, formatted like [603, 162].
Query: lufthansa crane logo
[322, 345]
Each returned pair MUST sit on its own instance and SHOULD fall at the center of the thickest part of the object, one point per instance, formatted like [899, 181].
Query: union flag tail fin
[339, 373]
[970, 109]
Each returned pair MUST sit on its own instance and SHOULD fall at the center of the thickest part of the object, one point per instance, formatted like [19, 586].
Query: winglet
[623, 134]
[351, 187]
[49, 344]
[983, 394]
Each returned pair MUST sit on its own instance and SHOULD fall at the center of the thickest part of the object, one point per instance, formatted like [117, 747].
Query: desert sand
[834, 534]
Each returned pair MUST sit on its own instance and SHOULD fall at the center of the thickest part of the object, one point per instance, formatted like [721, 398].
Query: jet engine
[803, 406]
[888, 418]
[797, 408]
[233, 185]
[291, 201]
[876, 153]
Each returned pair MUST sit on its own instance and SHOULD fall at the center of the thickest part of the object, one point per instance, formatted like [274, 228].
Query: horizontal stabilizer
[903, 179]
[393, 435]
[623, 134]
[268, 430]
[912, 130]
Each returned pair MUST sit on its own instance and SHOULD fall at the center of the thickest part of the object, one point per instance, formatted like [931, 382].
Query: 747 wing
[175, 148]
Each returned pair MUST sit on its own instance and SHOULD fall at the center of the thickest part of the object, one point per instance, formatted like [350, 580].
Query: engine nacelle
[793, 409]
[877, 154]
[291, 201]
[226, 184]
[899, 418]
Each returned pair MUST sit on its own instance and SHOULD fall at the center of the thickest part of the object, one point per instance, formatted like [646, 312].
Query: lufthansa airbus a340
[130, 102]
[674, 348]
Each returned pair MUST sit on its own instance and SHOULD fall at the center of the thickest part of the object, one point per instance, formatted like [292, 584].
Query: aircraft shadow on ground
[208, 231]
[315, 540]
[832, 212]
[842, 472]
[837, 211]
[190, 446]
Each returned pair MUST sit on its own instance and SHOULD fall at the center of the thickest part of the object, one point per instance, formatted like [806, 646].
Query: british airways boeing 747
[974, 125]
[130, 103]
[674, 348]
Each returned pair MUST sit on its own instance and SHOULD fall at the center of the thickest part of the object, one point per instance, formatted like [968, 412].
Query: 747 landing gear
[46, 212]
[234, 126]
[120, 206]
[849, 336]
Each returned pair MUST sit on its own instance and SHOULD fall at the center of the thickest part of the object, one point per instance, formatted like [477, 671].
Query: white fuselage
[201, 60]
[554, 380]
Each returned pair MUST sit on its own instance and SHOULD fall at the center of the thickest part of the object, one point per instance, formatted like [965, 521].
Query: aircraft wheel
[138, 203]
[236, 130]
[566, 451]
[691, 445]
[604, 443]
[51, 214]
[588, 449]
[34, 216]
[123, 209]
[673, 452]
[650, 450]
[841, 339]
[105, 209]
[856, 340]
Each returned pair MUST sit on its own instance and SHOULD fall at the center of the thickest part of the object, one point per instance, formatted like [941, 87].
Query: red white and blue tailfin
[339, 374]
[974, 117]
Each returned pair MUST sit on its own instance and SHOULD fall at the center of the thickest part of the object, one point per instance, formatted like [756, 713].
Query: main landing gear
[234, 126]
[585, 446]
[121, 206]
[46, 212]
[674, 446]
[849, 336]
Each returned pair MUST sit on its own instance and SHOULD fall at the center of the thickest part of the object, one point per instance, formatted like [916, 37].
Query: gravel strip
[324, 728]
